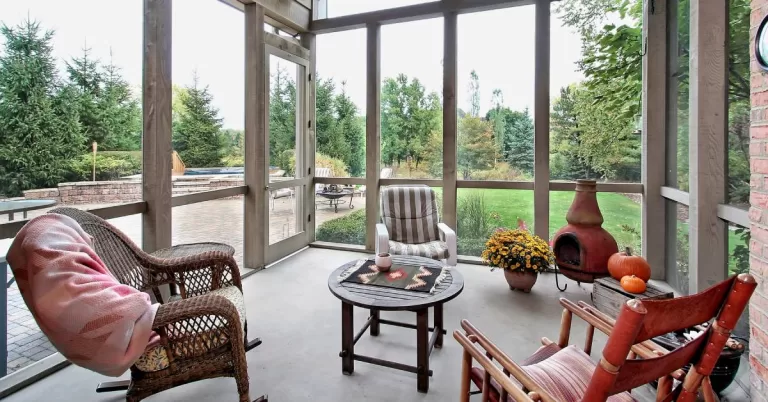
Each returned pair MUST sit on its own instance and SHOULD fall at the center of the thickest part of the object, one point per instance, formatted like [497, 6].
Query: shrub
[110, 165]
[469, 246]
[348, 229]
[287, 161]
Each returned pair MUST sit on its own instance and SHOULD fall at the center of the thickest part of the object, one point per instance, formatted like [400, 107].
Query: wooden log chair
[203, 329]
[558, 372]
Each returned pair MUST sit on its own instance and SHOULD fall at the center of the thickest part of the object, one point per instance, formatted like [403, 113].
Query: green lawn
[621, 215]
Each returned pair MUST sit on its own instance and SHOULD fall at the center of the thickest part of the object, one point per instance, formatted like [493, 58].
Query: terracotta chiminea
[582, 247]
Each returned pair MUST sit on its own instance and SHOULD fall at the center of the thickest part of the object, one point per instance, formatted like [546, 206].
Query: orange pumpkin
[633, 284]
[624, 263]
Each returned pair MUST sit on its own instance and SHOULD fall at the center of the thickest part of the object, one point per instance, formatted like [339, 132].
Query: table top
[24, 205]
[334, 193]
[384, 298]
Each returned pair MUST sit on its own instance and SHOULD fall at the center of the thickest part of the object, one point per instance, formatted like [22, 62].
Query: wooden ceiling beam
[410, 13]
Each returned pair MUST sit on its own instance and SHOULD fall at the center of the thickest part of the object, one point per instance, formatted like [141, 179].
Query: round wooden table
[379, 298]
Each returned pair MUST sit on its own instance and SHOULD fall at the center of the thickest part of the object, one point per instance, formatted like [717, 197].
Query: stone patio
[217, 221]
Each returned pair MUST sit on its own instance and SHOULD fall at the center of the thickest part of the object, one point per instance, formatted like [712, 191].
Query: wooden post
[708, 134]
[449, 118]
[156, 139]
[308, 40]
[95, 146]
[255, 219]
[654, 137]
[372, 134]
[670, 208]
[541, 123]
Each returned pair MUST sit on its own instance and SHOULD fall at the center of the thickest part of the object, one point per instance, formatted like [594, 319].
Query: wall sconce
[761, 44]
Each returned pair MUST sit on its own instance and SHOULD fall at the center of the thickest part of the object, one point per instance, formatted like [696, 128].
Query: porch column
[449, 118]
[654, 132]
[156, 139]
[255, 220]
[708, 126]
[541, 123]
[372, 133]
[309, 41]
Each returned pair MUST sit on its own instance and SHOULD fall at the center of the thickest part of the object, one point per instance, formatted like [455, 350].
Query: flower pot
[383, 261]
[520, 280]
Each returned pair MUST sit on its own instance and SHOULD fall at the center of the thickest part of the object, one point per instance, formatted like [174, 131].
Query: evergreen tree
[352, 131]
[86, 81]
[282, 118]
[39, 127]
[197, 135]
[518, 140]
[565, 139]
[120, 112]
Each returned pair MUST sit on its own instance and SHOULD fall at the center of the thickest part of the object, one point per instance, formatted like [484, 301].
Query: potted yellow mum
[520, 254]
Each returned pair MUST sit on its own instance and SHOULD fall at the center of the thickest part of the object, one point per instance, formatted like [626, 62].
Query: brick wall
[114, 192]
[758, 215]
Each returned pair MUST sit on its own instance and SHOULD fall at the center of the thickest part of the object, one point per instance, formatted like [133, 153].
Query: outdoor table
[12, 207]
[377, 299]
[333, 198]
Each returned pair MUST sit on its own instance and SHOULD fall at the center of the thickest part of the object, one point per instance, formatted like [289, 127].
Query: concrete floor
[290, 308]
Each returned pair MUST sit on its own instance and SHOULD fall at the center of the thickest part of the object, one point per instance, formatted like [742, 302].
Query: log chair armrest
[513, 389]
[382, 238]
[475, 336]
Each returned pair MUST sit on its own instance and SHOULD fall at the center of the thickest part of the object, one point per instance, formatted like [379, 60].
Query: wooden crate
[608, 296]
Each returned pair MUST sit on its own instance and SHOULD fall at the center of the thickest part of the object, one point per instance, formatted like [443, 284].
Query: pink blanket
[93, 320]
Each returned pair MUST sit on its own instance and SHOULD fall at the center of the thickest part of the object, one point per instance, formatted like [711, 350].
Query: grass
[619, 213]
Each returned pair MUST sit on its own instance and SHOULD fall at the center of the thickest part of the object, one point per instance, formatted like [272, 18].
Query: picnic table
[14, 206]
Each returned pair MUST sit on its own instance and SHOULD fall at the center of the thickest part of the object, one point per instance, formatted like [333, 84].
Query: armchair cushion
[410, 213]
[563, 373]
[436, 250]
[155, 357]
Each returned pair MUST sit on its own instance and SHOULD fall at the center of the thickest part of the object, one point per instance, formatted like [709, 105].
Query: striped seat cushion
[410, 214]
[436, 250]
[563, 373]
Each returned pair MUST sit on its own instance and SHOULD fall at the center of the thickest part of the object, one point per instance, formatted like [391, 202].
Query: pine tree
[518, 140]
[120, 112]
[38, 123]
[282, 119]
[86, 81]
[197, 135]
[352, 131]
[476, 147]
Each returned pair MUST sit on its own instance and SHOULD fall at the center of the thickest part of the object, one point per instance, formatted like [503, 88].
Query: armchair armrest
[382, 238]
[195, 274]
[449, 237]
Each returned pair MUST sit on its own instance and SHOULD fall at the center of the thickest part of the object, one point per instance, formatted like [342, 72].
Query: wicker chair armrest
[194, 274]
[197, 326]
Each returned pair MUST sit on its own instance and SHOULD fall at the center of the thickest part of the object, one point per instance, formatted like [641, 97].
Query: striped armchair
[410, 225]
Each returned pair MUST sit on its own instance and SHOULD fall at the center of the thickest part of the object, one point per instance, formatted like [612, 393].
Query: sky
[208, 38]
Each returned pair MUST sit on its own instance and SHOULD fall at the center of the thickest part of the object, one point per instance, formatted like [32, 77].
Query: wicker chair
[202, 330]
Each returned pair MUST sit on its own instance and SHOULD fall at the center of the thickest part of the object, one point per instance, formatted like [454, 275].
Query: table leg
[10, 216]
[347, 339]
[422, 350]
[375, 322]
[439, 325]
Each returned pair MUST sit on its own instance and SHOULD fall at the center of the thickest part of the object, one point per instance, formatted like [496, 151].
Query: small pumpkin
[624, 264]
[633, 284]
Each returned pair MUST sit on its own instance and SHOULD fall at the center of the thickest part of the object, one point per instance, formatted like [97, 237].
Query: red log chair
[558, 372]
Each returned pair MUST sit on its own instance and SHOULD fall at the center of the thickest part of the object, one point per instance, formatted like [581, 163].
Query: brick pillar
[758, 216]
